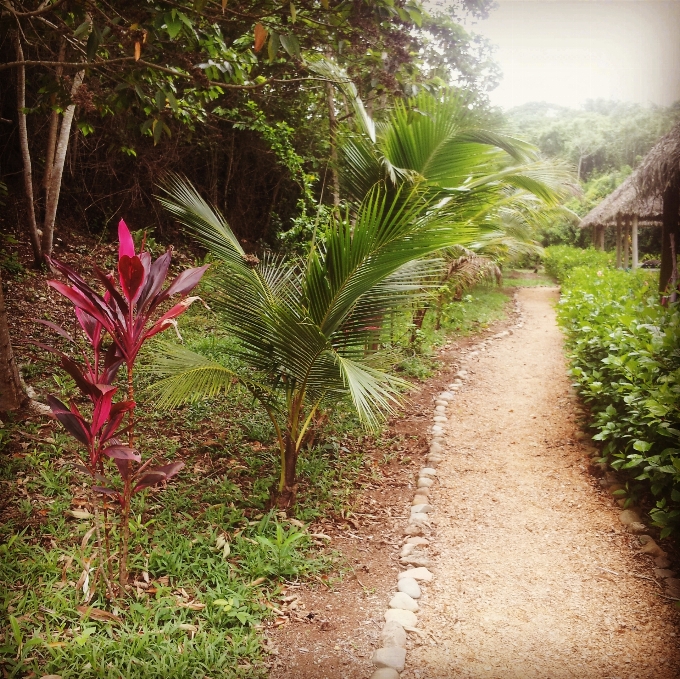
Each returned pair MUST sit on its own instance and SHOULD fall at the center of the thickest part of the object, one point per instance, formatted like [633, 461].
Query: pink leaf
[158, 475]
[118, 412]
[165, 321]
[126, 246]
[117, 452]
[102, 409]
[132, 275]
[72, 422]
[187, 281]
[57, 328]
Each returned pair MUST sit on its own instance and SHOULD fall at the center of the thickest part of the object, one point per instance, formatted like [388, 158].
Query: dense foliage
[603, 141]
[625, 358]
[219, 90]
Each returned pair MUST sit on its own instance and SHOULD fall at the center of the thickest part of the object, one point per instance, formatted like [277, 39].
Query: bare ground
[536, 577]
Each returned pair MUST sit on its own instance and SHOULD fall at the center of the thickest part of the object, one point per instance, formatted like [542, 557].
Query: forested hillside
[603, 141]
[223, 92]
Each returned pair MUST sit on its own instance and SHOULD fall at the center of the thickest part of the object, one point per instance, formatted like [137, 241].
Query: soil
[535, 576]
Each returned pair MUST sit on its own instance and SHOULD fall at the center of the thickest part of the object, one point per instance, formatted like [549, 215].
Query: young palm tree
[303, 328]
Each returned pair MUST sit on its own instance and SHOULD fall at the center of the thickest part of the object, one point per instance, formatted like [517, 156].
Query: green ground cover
[208, 561]
[623, 348]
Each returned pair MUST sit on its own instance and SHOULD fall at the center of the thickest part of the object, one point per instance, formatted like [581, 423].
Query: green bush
[625, 356]
[559, 260]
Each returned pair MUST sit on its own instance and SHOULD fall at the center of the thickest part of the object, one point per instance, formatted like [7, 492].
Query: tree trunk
[618, 241]
[333, 129]
[671, 225]
[12, 395]
[285, 498]
[54, 126]
[418, 318]
[26, 155]
[58, 169]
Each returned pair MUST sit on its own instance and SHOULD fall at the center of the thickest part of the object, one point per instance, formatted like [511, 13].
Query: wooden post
[634, 242]
[626, 248]
[671, 203]
[603, 232]
[618, 241]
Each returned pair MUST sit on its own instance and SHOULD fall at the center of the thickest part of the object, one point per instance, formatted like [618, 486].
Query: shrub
[559, 260]
[626, 363]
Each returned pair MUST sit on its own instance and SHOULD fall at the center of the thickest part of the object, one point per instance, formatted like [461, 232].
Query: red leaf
[112, 361]
[110, 286]
[117, 452]
[118, 412]
[123, 468]
[155, 280]
[158, 475]
[72, 422]
[102, 409]
[165, 321]
[260, 36]
[126, 246]
[187, 281]
[57, 328]
[86, 302]
[132, 274]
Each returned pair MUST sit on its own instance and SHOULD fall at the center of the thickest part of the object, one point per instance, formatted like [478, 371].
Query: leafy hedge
[625, 358]
[559, 260]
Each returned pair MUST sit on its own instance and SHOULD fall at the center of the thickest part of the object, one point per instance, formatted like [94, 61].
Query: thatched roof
[661, 166]
[625, 201]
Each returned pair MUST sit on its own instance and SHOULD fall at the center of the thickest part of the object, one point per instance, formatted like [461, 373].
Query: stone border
[400, 617]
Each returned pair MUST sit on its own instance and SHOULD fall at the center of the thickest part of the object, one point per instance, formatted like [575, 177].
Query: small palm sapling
[115, 326]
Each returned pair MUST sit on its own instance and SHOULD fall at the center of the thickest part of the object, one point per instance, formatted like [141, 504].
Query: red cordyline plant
[125, 313]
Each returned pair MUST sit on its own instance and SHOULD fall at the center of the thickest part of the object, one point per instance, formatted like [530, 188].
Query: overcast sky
[567, 51]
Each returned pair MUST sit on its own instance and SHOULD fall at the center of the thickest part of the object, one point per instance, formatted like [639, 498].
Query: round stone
[428, 471]
[409, 586]
[393, 634]
[392, 657]
[406, 619]
[417, 574]
[404, 601]
[385, 673]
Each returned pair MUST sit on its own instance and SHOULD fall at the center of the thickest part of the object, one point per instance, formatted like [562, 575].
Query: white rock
[436, 429]
[440, 409]
[418, 542]
[425, 482]
[406, 619]
[406, 550]
[393, 634]
[446, 396]
[404, 601]
[440, 418]
[385, 673]
[392, 657]
[419, 500]
[409, 586]
[436, 448]
[462, 374]
[434, 460]
[428, 471]
[419, 519]
[422, 508]
[417, 574]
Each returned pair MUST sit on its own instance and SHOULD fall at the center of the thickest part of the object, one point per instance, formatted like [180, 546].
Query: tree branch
[36, 12]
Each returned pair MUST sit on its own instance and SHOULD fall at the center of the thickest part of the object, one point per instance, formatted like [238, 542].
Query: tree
[12, 394]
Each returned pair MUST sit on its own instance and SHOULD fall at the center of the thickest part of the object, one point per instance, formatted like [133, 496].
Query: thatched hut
[627, 209]
[658, 177]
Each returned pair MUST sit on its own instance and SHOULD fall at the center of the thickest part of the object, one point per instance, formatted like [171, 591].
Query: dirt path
[535, 577]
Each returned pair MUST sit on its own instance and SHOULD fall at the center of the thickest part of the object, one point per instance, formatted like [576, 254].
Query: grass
[474, 313]
[208, 563]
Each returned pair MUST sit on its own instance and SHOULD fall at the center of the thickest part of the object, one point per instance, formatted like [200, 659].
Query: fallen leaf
[187, 627]
[258, 581]
[79, 513]
[97, 614]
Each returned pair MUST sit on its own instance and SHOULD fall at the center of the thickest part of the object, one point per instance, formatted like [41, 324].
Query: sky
[567, 51]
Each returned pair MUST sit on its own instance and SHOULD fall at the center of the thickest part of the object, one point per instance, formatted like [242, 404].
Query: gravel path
[535, 577]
